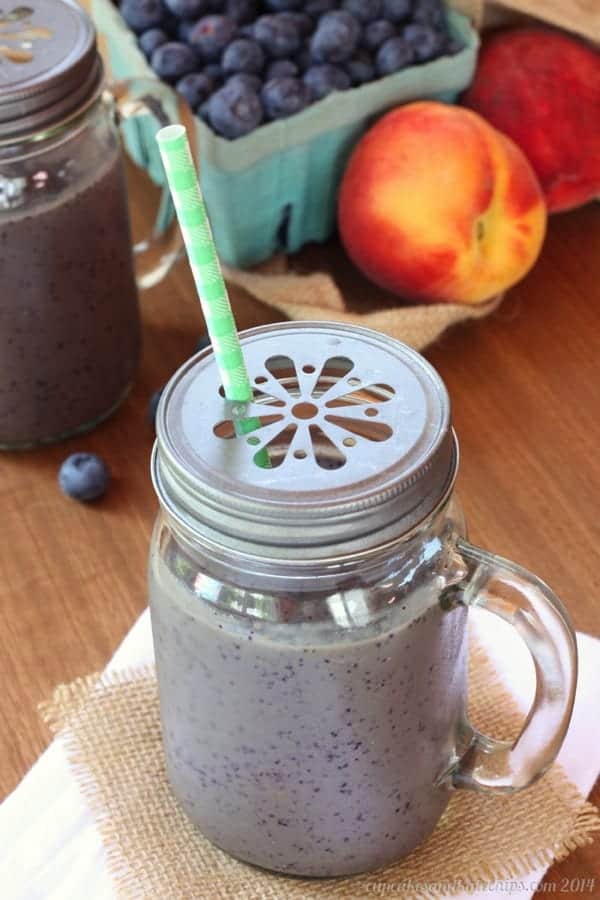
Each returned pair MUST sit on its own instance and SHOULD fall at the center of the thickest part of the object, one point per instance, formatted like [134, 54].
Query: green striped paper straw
[202, 254]
[195, 228]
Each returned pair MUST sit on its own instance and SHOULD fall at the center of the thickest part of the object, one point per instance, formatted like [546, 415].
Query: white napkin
[49, 846]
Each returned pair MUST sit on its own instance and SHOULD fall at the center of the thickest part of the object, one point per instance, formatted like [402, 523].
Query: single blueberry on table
[141, 15]
[360, 68]
[195, 88]
[425, 41]
[84, 476]
[377, 33]
[210, 35]
[281, 68]
[324, 79]
[153, 406]
[247, 81]
[235, 110]
[241, 11]
[283, 97]
[363, 10]
[301, 20]
[187, 9]
[243, 55]
[397, 10]
[336, 37]
[429, 12]
[173, 60]
[394, 55]
[151, 39]
[278, 36]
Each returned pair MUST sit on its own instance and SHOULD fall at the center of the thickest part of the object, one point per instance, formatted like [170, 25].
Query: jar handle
[142, 105]
[532, 608]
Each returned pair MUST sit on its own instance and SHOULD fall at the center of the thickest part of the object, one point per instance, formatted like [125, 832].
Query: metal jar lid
[49, 65]
[346, 446]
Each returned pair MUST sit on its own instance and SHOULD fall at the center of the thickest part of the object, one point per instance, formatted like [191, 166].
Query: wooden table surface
[525, 386]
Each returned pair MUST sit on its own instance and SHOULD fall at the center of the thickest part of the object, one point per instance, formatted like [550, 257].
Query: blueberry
[243, 56]
[187, 9]
[183, 30]
[336, 37]
[281, 68]
[301, 20]
[249, 82]
[283, 5]
[203, 342]
[215, 73]
[153, 406]
[429, 12]
[360, 68]
[173, 60]
[325, 78]
[363, 10]
[141, 15]
[453, 46]
[394, 55]
[303, 59]
[210, 36]
[397, 10]
[425, 41]
[195, 88]
[284, 97]
[84, 476]
[241, 11]
[246, 31]
[377, 33]
[316, 8]
[151, 39]
[204, 111]
[235, 110]
[279, 37]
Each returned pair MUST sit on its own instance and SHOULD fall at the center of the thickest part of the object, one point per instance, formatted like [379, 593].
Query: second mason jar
[309, 587]
[69, 319]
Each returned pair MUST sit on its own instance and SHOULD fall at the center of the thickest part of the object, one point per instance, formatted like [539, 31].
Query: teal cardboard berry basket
[275, 189]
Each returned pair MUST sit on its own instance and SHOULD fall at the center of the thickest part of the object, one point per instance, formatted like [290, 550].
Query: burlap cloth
[111, 730]
[316, 296]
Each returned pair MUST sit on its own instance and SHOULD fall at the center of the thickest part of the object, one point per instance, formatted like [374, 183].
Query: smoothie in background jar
[69, 318]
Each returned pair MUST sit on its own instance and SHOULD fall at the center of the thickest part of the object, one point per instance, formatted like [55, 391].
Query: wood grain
[525, 390]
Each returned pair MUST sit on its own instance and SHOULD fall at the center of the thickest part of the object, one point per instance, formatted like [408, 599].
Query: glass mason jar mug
[310, 582]
[69, 319]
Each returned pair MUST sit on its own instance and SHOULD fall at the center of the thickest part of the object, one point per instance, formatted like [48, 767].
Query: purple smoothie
[69, 321]
[305, 749]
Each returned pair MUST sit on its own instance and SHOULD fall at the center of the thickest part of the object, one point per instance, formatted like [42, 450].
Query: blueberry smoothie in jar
[311, 749]
[69, 319]
[309, 583]
[312, 686]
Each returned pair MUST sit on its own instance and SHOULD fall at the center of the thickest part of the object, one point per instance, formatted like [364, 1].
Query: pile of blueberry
[240, 63]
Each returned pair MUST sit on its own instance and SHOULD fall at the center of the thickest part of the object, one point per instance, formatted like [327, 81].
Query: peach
[437, 205]
[542, 89]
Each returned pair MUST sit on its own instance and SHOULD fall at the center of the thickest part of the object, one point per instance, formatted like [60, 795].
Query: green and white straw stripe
[195, 228]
